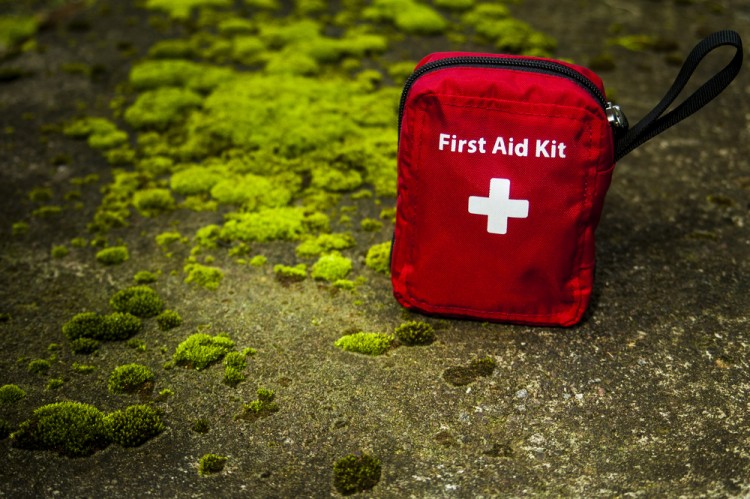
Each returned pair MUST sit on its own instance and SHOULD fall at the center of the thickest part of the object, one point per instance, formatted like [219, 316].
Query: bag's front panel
[494, 205]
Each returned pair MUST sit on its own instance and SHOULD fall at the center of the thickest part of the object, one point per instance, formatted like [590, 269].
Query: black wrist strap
[654, 123]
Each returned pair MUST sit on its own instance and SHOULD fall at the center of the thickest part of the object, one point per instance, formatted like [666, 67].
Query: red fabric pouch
[503, 165]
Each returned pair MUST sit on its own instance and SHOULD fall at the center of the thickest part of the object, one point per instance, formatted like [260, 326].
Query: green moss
[55, 383]
[82, 368]
[315, 246]
[195, 180]
[371, 225]
[20, 228]
[38, 366]
[16, 29]
[415, 333]
[344, 284]
[248, 49]
[365, 343]
[47, 211]
[356, 473]
[200, 426]
[178, 73]
[258, 261]
[136, 344]
[40, 194]
[171, 49]
[169, 319]
[203, 275]
[211, 463]
[145, 277]
[268, 224]
[379, 257]
[114, 255]
[494, 24]
[134, 426]
[200, 350]
[454, 4]
[167, 238]
[262, 407]
[112, 327]
[60, 251]
[208, 236]
[408, 16]
[10, 394]
[336, 180]
[264, 4]
[68, 428]
[130, 378]
[161, 107]
[84, 346]
[182, 9]
[101, 132]
[79, 242]
[234, 363]
[331, 267]
[289, 274]
[140, 301]
[641, 43]
[152, 202]
[251, 191]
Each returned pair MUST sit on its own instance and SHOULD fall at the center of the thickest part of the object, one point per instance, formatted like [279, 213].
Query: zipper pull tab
[616, 118]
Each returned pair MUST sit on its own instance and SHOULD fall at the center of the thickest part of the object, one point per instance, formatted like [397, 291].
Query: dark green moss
[84, 346]
[415, 333]
[5, 429]
[140, 301]
[10, 394]
[356, 473]
[200, 350]
[136, 344]
[38, 366]
[211, 463]
[60, 251]
[131, 378]
[69, 428]
[55, 383]
[82, 368]
[262, 407]
[134, 426]
[200, 426]
[168, 319]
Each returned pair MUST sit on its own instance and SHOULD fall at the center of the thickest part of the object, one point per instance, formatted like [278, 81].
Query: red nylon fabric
[491, 231]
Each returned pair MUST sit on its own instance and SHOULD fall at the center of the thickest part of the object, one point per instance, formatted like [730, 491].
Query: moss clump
[258, 261]
[59, 251]
[84, 346]
[82, 368]
[38, 366]
[113, 256]
[157, 109]
[415, 333]
[287, 274]
[379, 257]
[10, 394]
[140, 301]
[55, 383]
[130, 378]
[454, 4]
[262, 407]
[356, 473]
[169, 319]
[408, 16]
[365, 343]
[182, 9]
[203, 275]
[211, 463]
[178, 73]
[134, 426]
[268, 224]
[152, 202]
[68, 428]
[145, 277]
[16, 29]
[464, 375]
[323, 243]
[208, 236]
[493, 23]
[20, 228]
[371, 225]
[136, 344]
[234, 363]
[331, 267]
[101, 133]
[195, 180]
[47, 211]
[112, 327]
[200, 350]
[166, 238]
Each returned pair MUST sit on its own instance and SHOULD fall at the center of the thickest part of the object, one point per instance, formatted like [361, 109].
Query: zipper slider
[616, 118]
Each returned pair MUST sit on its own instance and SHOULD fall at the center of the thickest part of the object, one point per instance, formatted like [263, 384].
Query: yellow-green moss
[130, 378]
[331, 267]
[211, 463]
[181, 73]
[20, 228]
[169, 319]
[38, 366]
[200, 350]
[203, 275]
[55, 383]
[287, 274]
[10, 394]
[161, 107]
[59, 251]
[315, 246]
[379, 257]
[258, 261]
[415, 333]
[40, 194]
[101, 132]
[268, 224]
[82, 368]
[15, 29]
[182, 9]
[152, 202]
[113, 255]
[134, 426]
[84, 346]
[195, 180]
[371, 225]
[136, 344]
[408, 16]
[262, 407]
[166, 238]
[145, 277]
[356, 473]
[140, 301]
[365, 343]
[90, 325]
[234, 365]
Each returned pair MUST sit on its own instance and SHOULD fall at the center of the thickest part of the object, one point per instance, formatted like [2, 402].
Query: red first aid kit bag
[503, 164]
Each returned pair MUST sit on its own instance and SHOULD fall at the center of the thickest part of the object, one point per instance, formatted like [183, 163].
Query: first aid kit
[503, 165]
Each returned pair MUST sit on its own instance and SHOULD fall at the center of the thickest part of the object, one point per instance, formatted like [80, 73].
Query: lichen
[211, 463]
[168, 319]
[379, 257]
[140, 301]
[415, 333]
[203, 275]
[365, 343]
[356, 473]
[114, 255]
[200, 350]
[10, 394]
[331, 267]
[130, 378]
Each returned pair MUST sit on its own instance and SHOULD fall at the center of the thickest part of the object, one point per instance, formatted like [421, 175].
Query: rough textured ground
[648, 396]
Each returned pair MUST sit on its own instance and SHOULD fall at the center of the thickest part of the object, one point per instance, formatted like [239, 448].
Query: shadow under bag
[503, 165]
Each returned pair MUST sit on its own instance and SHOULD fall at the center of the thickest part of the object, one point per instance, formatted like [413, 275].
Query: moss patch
[379, 257]
[10, 394]
[203, 275]
[200, 350]
[134, 426]
[113, 256]
[211, 463]
[140, 301]
[262, 407]
[130, 378]
[331, 267]
[415, 333]
[356, 473]
[169, 319]
[365, 343]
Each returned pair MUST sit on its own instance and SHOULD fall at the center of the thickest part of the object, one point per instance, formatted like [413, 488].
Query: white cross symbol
[498, 207]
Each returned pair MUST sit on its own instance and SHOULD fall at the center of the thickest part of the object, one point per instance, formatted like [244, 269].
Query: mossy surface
[211, 463]
[130, 378]
[356, 473]
[415, 333]
[168, 319]
[379, 258]
[200, 350]
[331, 267]
[10, 394]
[140, 301]
[203, 275]
[261, 407]
[365, 343]
[113, 256]
[134, 425]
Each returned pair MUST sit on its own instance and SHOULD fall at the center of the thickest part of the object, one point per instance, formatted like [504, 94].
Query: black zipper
[535, 65]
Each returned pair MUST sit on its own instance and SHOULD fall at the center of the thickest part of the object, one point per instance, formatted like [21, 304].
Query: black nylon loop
[654, 123]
